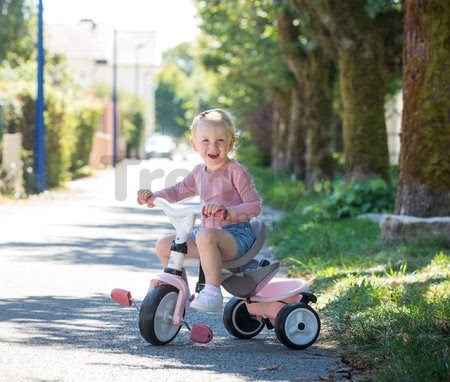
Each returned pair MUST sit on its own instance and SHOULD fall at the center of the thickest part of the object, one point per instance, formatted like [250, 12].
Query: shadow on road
[128, 242]
[101, 251]
[97, 323]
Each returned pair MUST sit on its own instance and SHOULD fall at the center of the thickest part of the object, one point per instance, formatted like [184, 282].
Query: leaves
[15, 37]
[241, 46]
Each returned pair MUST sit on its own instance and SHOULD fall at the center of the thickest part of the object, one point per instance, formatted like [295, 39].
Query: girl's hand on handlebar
[144, 196]
[215, 209]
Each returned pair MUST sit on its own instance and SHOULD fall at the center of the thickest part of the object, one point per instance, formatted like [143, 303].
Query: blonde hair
[219, 117]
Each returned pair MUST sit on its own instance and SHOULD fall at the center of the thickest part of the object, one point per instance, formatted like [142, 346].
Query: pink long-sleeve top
[231, 185]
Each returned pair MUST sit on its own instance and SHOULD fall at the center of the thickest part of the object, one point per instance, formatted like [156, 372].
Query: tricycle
[258, 302]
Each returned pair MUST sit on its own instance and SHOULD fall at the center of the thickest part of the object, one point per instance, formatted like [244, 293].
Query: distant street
[60, 256]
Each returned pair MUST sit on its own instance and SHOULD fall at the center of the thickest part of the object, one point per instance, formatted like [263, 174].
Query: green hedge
[132, 122]
[86, 117]
[58, 145]
[70, 124]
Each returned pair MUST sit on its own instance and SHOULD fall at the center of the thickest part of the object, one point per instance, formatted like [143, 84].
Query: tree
[313, 73]
[358, 29]
[240, 46]
[424, 184]
[170, 102]
[184, 88]
[181, 56]
[15, 36]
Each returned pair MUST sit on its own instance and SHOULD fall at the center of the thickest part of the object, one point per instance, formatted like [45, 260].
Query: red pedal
[201, 333]
[122, 297]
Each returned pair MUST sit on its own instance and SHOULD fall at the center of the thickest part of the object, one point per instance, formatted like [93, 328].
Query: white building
[89, 47]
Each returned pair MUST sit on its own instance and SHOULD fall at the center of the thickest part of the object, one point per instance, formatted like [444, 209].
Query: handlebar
[177, 211]
[186, 215]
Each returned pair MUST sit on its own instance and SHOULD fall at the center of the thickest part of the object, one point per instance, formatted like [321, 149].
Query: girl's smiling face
[213, 142]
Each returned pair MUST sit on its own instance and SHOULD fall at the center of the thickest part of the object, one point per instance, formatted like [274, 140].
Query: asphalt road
[62, 254]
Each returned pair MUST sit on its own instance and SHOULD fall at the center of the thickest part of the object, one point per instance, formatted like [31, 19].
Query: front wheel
[297, 326]
[239, 322]
[155, 315]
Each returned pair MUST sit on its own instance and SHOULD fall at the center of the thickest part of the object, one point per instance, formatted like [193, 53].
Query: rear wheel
[297, 326]
[239, 322]
[155, 315]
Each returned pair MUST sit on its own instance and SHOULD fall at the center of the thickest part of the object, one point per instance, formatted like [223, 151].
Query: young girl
[227, 195]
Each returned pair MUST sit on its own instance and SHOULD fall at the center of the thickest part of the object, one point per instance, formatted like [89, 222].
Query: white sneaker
[206, 302]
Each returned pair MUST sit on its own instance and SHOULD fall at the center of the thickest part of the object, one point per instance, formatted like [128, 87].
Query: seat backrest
[248, 284]
[237, 265]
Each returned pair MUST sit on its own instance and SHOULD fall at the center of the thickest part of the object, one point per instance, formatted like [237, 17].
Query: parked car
[159, 146]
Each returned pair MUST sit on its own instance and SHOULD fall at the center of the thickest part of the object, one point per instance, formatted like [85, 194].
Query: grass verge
[387, 306]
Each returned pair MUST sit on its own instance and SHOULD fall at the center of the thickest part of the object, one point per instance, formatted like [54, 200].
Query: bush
[86, 117]
[373, 195]
[350, 199]
[20, 117]
[70, 125]
[29, 177]
[6, 183]
[133, 122]
[58, 139]
[247, 151]
[82, 172]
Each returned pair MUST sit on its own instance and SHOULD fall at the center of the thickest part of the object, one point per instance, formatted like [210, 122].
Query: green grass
[388, 306]
[396, 322]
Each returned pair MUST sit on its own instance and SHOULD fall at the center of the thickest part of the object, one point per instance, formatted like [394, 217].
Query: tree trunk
[362, 89]
[359, 44]
[260, 121]
[311, 119]
[319, 117]
[424, 184]
[282, 104]
[288, 136]
[297, 135]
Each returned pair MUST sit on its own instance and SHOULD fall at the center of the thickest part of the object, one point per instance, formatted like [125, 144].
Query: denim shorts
[242, 233]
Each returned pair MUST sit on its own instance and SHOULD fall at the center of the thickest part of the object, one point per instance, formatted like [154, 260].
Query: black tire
[239, 322]
[297, 326]
[154, 324]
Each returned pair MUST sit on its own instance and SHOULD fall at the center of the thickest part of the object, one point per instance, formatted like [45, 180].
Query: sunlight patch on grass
[397, 316]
